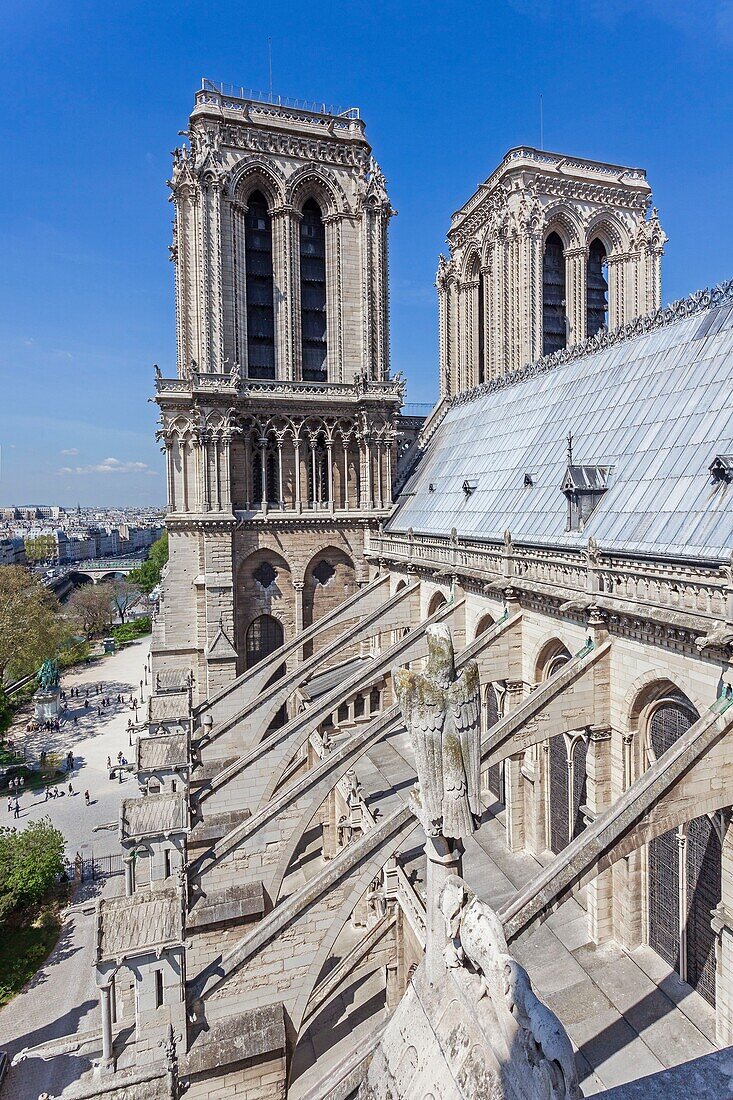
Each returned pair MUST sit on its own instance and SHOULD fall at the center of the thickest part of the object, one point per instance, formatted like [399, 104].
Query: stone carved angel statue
[441, 710]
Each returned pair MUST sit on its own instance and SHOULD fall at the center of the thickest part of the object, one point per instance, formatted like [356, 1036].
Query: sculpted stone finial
[441, 710]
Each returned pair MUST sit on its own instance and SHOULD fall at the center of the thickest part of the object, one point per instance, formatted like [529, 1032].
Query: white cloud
[70, 451]
[107, 466]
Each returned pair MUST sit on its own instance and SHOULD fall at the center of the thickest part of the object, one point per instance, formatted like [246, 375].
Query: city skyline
[86, 281]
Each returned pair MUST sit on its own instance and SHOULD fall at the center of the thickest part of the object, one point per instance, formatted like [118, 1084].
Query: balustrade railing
[233, 383]
[696, 588]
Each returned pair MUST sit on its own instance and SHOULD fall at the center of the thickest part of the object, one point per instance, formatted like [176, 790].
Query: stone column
[514, 795]
[616, 266]
[392, 981]
[105, 1003]
[576, 292]
[129, 862]
[454, 337]
[598, 799]
[388, 472]
[444, 335]
[345, 446]
[170, 443]
[334, 299]
[444, 860]
[185, 450]
[286, 258]
[224, 472]
[296, 461]
[329, 479]
[263, 474]
[380, 497]
[723, 928]
[298, 589]
[281, 487]
[369, 475]
[237, 215]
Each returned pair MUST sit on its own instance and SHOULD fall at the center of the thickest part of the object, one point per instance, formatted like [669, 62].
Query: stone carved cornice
[208, 522]
[345, 154]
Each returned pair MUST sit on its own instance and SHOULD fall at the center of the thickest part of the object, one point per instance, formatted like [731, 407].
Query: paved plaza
[61, 999]
[92, 739]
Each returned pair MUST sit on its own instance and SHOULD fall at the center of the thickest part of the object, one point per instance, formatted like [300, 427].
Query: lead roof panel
[654, 406]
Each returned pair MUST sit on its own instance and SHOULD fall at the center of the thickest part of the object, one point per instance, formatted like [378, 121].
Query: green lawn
[26, 941]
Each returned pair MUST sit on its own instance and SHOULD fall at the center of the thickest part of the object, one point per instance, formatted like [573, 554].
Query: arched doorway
[684, 873]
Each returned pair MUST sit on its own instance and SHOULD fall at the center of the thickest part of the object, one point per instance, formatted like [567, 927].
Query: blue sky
[95, 94]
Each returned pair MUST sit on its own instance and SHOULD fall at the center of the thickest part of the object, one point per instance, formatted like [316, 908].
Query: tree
[148, 574]
[123, 596]
[31, 625]
[30, 862]
[90, 607]
[40, 548]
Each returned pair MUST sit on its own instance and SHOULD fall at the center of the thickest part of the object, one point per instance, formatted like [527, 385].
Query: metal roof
[653, 406]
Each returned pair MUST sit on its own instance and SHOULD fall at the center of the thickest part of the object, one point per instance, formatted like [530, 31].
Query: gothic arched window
[260, 289]
[597, 301]
[264, 635]
[313, 292]
[554, 333]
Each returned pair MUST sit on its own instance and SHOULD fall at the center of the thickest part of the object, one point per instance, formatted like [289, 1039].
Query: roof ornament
[570, 448]
[441, 709]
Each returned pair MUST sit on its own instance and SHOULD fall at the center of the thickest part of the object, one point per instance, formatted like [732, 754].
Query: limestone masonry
[562, 519]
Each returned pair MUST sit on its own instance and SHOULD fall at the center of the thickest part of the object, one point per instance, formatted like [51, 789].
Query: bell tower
[548, 251]
[280, 425]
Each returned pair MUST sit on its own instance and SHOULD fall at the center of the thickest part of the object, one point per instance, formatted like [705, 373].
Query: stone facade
[492, 289]
[281, 429]
[288, 885]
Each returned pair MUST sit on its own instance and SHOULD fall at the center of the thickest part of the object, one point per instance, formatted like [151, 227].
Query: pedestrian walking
[10, 805]
[109, 762]
[86, 797]
[46, 798]
[16, 811]
[71, 789]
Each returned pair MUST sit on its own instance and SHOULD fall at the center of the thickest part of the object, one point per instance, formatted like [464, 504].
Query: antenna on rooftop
[269, 58]
[542, 124]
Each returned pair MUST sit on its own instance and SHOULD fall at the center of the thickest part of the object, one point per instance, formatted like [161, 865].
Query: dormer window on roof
[584, 486]
[721, 469]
